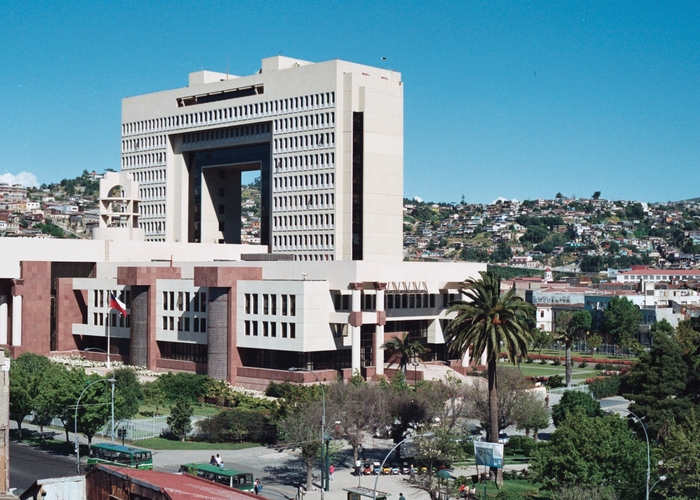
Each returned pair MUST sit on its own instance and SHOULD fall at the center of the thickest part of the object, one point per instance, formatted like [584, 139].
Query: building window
[284, 330]
[292, 330]
[255, 303]
[284, 305]
[292, 305]
[247, 327]
[247, 303]
[266, 304]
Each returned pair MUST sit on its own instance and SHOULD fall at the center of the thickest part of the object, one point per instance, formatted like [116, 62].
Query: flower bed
[577, 359]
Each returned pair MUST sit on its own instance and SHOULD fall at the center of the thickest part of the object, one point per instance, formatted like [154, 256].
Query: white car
[503, 438]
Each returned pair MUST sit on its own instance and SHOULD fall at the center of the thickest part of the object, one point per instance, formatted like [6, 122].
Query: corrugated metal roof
[180, 486]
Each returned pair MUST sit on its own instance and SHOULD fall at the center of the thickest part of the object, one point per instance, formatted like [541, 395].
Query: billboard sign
[489, 454]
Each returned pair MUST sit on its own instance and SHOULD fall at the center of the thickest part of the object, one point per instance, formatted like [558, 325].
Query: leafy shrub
[605, 387]
[236, 425]
[529, 360]
[543, 361]
[555, 381]
[189, 386]
[585, 493]
[604, 366]
[528, 445]
[582, 364]
[509, 495]
[575, 399]
[556, 362]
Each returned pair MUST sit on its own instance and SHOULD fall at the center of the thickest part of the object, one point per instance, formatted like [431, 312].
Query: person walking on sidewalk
[331, 470]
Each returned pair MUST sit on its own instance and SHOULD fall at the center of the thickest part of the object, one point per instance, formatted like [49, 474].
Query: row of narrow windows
[226, 133]
[304, 241]
[185, 301]
[185, 324]
[290, 105]
[312, 257]
[149, 175]
[152, 209]
[152, 192]
[100, 298]
[304, 202]
[151, 228]
[305, 141]
[301, 122]
[314, 181]
[113, 319]
[266, 304]
[156, 141]
[302, 222]
[270, 329]
[323, 160]
[145, 159]
[368, 302]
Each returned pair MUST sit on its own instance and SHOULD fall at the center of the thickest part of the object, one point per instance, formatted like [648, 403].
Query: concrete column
[379, 330]
[355, 325]
[138, 345]
[16, 320]
[217, 333]
[3, 319]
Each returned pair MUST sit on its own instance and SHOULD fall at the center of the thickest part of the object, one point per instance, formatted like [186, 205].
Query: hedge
[577, 359]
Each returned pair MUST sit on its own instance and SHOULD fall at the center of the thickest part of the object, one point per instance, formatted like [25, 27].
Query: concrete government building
[325, 288]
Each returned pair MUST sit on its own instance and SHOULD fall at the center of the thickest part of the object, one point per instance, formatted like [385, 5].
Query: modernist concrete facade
[209, 308]
[324, 291]
[326, 137]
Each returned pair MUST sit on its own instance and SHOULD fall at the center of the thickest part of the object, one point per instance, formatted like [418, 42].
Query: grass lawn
[604, 358]
[536, 370]
[518, 486]
[167, 444]
[199, 410]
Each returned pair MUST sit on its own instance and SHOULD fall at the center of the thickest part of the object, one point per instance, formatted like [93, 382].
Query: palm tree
[404, 349]
[488, 322]
[570, 327]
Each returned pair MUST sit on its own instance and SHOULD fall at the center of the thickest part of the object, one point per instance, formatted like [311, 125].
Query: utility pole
[4, 422]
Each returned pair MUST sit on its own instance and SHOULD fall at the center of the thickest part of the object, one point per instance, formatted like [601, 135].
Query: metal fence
[606, 349]
[136, 429]
[562, 390]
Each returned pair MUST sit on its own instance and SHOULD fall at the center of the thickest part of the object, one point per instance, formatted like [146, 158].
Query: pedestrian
[411, 472]
[301, 492]
[331, 470]
[219, 462]
[357, 467]
[256, 487]
[401, 497]
[212, 461]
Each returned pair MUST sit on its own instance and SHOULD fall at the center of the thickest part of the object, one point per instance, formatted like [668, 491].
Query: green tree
[49, 401]
[573, 400]
[596, 195]
[488, 323]
[534, 234]
[403, 350]
[585, 493]
[681, 459]
[530, 414]
[541, 339]
[300, 429]
[571, 327]
[95, 407]
[188, 385]
[590, 451]
[180, 418]
[622, 319]
[25, 373]
[594, 342]
[153, 395]
[657, 382]
[130, 394]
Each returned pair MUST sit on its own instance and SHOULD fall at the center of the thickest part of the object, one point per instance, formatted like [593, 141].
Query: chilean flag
[117, 304]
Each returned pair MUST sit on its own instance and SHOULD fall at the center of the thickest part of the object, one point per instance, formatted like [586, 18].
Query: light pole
[77, 405]
[376, 479]
[648, 451]
[415, 364]
[323, 420]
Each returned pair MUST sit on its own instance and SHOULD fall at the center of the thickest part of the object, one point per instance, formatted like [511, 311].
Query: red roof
[181, 486]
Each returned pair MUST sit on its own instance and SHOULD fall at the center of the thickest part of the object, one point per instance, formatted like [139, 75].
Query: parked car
[376, 466]
[386, 470]
[395, 469]
[367, 468]
[405, 468]
[503, 438]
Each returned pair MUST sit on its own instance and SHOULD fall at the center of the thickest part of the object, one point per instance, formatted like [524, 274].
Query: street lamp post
[77, 405]
[648, 450]
[376, 479]
[323, 421]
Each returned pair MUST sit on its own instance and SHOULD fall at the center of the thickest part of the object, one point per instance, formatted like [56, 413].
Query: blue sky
[502, 99]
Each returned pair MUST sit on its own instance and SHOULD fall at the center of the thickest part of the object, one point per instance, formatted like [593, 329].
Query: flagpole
[109, 328]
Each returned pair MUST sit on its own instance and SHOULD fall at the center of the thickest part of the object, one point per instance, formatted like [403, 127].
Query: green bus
[230, 477]
[116, 454]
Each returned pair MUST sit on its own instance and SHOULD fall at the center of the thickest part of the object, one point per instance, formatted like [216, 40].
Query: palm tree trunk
[493, 414]
[569, 368]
